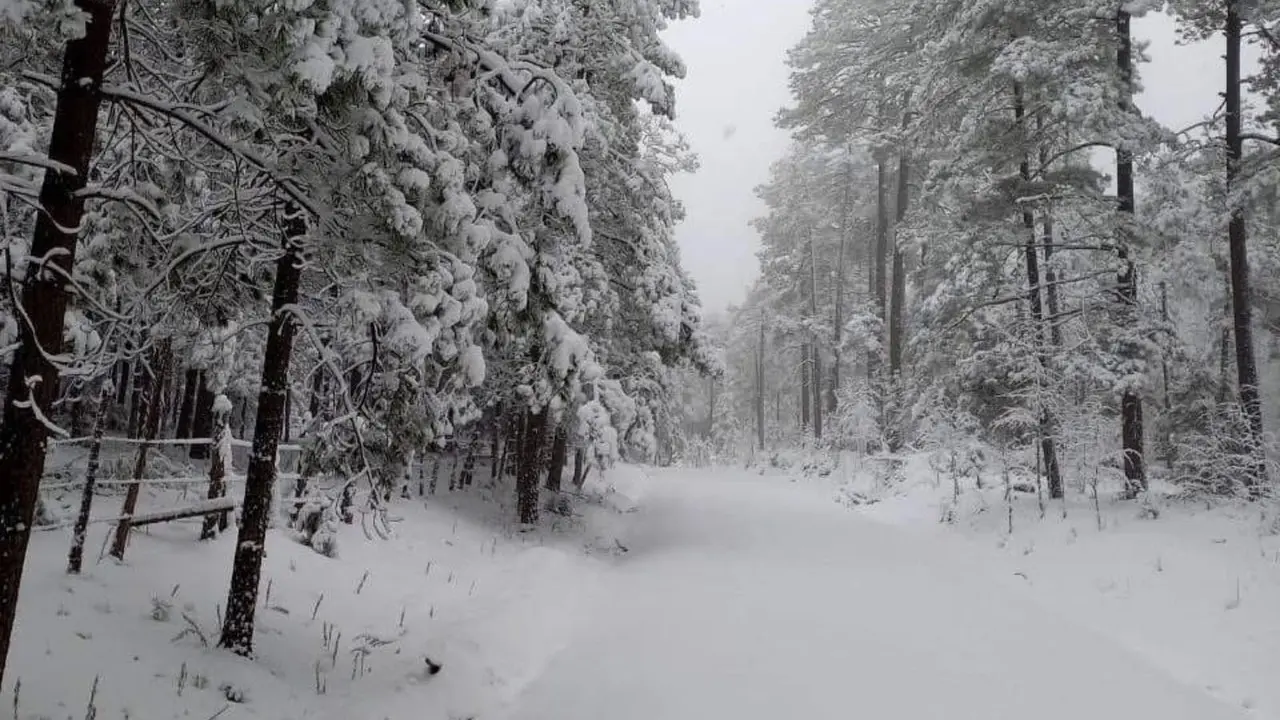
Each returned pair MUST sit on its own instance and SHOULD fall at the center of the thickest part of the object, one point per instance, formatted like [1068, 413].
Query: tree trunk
[316, 404]
[1135, 469]
[760, 384]
[1237, 240]
[1048, 423]
[1164, 372]
[899, 295]
[75, 558]
[899, 290]
[214, 524]
[837, 325]
[23, 432]
[1050, 275]
[138, 385]
[815, 371]
[711, 406]
[527, 475]
[878, 260]
[124, 384]
[202, 421]
[153, 409]
[187, 408]
[579, 469]
[559, 453]
[242, 596]
[806, 389]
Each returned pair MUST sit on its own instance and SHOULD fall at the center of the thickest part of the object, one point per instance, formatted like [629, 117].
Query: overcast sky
[736, 53]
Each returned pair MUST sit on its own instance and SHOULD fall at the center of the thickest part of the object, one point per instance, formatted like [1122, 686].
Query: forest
[317, 259]
[976, 235]
[380, 229]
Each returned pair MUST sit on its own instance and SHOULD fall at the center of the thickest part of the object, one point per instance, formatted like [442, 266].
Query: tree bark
[202, 421]
[527, 477]
[1237, 240]
[214, 524]
[1048, 423]
[153, 409]
[806, 389]
[138, 384]
[75, 558]
[242, 596]
[559, 453]
[899, 296]
[760, 383]
[878, 260]
[1131, 431]
[187, 408]
[815, 372]
[711, 407]
[579, 469]
[837, 325]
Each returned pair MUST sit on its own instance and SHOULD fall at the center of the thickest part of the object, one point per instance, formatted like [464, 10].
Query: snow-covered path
[743, 598]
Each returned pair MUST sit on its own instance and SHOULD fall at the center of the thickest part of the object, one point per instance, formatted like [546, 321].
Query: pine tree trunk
[316, 403]
[837, 325]
[202, 421]
[815, 372]
[899, 295]
[124, 383]
[1135, 468]
[1050, 275]
[187, 408]
[75, 558]
[579, 469]
[806, 389]
[760, 384]
[1237, 240]
[242, 596]
[527, 474]
[879, 259]
[139, 383]
[153, 408]
[1048, 423]
[214, 524]
[711, 407]
[559, 453]
[1164, 372]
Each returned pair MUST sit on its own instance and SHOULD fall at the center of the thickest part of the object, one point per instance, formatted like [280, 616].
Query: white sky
[736, 54]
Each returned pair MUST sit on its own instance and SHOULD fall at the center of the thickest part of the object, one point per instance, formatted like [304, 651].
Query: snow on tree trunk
[33, 379]
[219, 465]
[242, 596]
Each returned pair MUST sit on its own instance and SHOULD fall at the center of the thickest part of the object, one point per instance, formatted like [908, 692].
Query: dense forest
[976, 235]
[379, 229]
[382, 236]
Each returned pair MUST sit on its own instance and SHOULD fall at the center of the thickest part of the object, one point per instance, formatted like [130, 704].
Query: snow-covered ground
[737, 596]
[1194, 590]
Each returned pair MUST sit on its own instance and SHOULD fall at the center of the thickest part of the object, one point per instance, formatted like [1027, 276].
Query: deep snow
[745, 598]
[738, 596]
